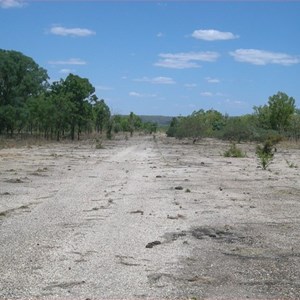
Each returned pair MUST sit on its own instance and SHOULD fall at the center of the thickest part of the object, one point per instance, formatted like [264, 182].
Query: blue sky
[163, 57]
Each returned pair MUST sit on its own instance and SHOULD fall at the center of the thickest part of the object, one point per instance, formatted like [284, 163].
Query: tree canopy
[281, 107]
[67, 107]
[276, 118]
[20, 79]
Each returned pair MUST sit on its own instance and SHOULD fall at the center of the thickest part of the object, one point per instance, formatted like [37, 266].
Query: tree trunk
[72, 132]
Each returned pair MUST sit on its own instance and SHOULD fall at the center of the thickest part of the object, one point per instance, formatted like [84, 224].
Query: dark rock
[152, 244]
[179, 188]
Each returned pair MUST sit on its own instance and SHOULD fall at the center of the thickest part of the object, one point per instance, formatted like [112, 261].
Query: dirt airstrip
[148, 218]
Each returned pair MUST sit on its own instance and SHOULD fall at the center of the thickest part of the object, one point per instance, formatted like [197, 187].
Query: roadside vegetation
[31, 106]
[278, 119]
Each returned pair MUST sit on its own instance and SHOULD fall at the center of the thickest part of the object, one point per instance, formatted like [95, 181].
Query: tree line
[277, 119]
[67, 108]
[29, 103]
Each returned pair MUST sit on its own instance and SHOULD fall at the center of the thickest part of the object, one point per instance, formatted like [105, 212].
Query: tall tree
[262, 114]
[21, 78]
[134, 122]
[294, 128]
[281, 107]
[101, 114]
[80, 92]
[60, 101]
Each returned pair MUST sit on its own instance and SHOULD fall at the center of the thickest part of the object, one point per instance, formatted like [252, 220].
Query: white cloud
[71, 61]
[66, 71]
[235, 102]
[206, 94]
[103, 88]
[185, 60]
[213, 35]
[261, 57]
[212, 80]
[190, 85]
[163, 80]
[134, 94]
[209, 94]
[11, 3]
[63, 31]
[159, 34]
[139, 95]
[157, 80]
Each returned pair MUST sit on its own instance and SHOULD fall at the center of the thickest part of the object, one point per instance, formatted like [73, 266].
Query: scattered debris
[17, 180]
[152, 244]
[179, 188]
[137, 212]
[179, 216]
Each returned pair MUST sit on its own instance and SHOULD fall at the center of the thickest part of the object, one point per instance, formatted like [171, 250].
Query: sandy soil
[148, 218]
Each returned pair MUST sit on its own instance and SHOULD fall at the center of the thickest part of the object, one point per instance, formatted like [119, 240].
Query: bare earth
[148, 218]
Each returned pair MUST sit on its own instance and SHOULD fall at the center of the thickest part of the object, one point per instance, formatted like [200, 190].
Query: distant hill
[160, 120]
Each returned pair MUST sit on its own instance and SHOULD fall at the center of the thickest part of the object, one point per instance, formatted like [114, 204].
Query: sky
[163, 57]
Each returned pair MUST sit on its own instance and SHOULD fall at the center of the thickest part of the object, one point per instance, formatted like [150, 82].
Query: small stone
[179, 188]
[152, 244]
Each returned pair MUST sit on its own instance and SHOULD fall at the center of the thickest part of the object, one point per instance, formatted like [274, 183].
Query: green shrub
[265, 154]
[234, 151]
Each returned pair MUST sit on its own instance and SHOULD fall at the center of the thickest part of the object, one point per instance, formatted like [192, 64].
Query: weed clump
[234, 151]
[99, 144]
[265, 154]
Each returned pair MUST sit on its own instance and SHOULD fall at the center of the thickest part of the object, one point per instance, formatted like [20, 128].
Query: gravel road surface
[148, 218]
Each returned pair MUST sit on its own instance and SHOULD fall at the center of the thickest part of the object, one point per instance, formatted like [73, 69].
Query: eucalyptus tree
[21, 79]
[263, 114]
[134, 122]
[294, 127]
[282, 107]
[101, 114]
[79, 92]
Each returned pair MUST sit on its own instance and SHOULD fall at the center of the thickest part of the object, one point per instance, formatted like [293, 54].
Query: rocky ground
[148, 218]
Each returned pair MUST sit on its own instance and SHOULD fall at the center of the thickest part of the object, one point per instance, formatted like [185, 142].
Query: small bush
[265, 154]
[234, 151]
[99, 144]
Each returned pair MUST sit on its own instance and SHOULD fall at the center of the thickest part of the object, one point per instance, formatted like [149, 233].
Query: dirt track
[147, 218]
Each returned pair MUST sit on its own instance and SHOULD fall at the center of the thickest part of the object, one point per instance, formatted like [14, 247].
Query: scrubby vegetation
[234, 151]
[274, 121]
